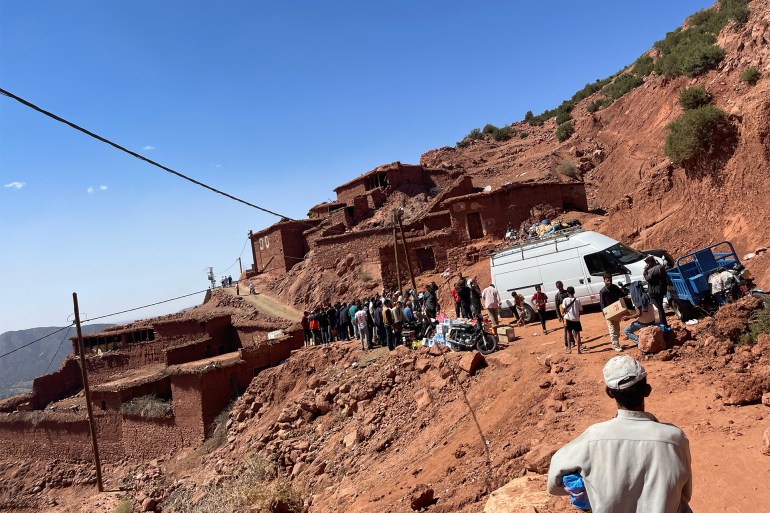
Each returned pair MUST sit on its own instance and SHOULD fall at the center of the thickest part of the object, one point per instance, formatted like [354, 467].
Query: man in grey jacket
[632, 463]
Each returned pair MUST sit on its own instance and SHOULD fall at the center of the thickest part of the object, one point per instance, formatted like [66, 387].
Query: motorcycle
[469, 336]
[742, 284]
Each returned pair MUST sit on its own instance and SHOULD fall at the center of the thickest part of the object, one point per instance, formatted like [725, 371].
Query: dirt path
[267, 304]
[729, 472]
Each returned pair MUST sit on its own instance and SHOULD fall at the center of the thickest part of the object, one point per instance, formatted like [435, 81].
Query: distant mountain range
[17, 370]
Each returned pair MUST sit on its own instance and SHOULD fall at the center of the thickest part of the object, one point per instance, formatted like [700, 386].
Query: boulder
[438, 350]
[526, 493]
[766, 443]
[651, 340]
[538, 459]
[351, 439]
[423, 398]
[149, 504]
[766, 398]
[420, 497]
[744, 388]
[471, 362]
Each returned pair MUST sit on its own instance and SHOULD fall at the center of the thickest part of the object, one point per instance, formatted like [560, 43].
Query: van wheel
[529, 314]
[683, 313]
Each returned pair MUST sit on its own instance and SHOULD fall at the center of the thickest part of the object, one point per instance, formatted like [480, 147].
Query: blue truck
[689, 291]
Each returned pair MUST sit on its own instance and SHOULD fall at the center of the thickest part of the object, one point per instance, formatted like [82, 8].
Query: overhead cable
[137, 155]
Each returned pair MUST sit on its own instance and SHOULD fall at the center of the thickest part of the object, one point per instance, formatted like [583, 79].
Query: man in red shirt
[539, 300]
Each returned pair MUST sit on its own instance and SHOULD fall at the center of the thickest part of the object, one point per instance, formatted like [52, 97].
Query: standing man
[561, 295]
[632, 462]
[572, 308]
[431, 302]
[491, 299]
[476, 302]
[464, 293]
[352, 315]
[657, 283]
[388, 321]
[608, 295]
[364, 335]
[539, 300]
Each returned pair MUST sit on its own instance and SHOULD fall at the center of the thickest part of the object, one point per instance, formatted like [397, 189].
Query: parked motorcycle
[469, 336]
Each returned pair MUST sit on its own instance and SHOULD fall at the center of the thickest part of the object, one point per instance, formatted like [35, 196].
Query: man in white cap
[632, 463]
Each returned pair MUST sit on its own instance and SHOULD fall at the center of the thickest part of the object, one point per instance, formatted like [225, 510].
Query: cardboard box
[616, 310]
[506, 334]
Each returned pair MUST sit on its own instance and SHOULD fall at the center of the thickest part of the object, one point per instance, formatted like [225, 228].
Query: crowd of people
[374, 321]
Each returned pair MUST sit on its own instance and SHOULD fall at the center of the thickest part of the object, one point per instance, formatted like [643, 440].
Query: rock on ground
[745, 388]
[651, 340]
[521, 494]
[421, 497]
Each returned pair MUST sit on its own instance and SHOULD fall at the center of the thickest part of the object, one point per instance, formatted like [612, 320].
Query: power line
[140, 157]
[57, 351]
[34, 341]
[146, 306]
[236, 260]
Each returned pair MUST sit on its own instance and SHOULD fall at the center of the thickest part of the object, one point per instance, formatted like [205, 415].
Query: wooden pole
[240, 265]
[87, 392]
[395, 250]
[406, 251]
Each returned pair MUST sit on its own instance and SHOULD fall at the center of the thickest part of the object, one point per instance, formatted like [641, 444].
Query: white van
[575, 257]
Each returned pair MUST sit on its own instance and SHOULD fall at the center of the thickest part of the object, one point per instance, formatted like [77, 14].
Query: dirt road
[266, 304]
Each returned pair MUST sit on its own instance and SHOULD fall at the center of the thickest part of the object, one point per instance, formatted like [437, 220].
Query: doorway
[426, 261]
[475, 228]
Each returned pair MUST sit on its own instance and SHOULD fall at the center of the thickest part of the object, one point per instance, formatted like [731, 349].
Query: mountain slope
[17, 370]
[650, 202]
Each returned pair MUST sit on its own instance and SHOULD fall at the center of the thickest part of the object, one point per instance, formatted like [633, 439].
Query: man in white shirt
[491, 300]
[632, 463]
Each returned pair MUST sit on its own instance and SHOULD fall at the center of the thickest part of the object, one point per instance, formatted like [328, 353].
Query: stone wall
[512, 205]
[44, 435]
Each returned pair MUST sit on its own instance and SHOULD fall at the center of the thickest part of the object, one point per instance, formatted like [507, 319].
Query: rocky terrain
[337, 429]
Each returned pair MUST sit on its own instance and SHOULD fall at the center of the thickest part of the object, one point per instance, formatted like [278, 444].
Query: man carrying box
[610, 294]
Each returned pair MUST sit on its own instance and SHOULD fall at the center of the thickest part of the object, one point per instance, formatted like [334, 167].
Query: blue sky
[274, 102]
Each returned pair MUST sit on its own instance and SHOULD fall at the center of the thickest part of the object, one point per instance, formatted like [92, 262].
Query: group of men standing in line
[373, 321]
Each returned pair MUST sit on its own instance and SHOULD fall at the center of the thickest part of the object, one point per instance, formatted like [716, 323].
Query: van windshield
[624, 254]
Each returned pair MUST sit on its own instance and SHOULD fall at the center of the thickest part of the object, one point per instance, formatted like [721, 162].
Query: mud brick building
[192, 365]
[453, 214]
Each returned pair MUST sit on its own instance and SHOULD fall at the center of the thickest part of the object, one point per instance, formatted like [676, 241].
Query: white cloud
[90, 190]
[149, 148]
[102, 187]
[15, 185]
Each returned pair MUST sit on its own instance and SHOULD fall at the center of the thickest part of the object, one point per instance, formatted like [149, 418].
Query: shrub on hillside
[751, 75]
[562, 117]
[503, 133]
[488, 129]
[760, 323]
[523, 134]
[694, 97]
[594, 105]
[474, 135]
[693, 51]
[643, 66]
[567, 168]
[693, 135]
[565, 131]
[621, 85]
[528, 115]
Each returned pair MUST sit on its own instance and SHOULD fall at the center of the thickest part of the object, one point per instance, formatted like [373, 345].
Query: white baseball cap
[623, 372]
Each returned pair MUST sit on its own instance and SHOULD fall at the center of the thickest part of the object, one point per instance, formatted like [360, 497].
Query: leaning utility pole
[241, 266]
[406, 250]
[87, 393]
[395, 250]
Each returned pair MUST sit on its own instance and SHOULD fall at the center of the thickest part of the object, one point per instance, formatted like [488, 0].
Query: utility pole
[211, 277]
[87, 392]
[406, 249]
[240, 265]
[395, 250]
